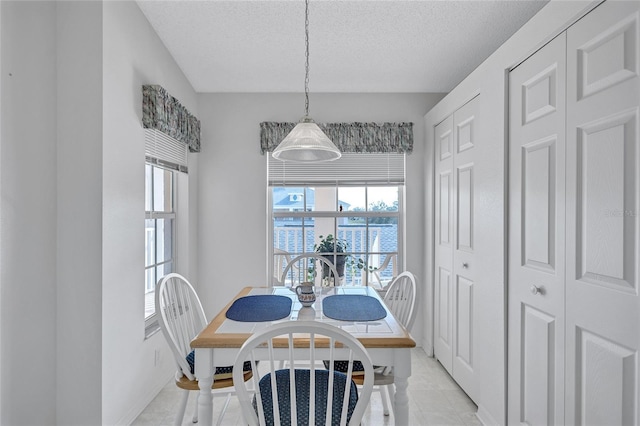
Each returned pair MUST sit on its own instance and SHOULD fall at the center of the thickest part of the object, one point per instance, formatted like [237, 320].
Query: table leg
[401, 402]
[204, 374]
[401, 372]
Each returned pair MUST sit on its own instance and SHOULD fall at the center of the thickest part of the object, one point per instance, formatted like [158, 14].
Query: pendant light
[306, 142]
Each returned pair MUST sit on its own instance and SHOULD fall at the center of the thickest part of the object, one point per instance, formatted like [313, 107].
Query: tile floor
[434, 399]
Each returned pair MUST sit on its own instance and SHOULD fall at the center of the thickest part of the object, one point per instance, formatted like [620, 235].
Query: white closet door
[455, 301]
[603, 226]
[536, 237]
[443, 309]
[465, 124]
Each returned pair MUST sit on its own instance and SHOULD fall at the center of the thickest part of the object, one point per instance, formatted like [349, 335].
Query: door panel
[444, 194]
[536, 237]
[538, 387]
[443, 318]
[603, 210]
[464, 211]
[464, 322]
[538, 183]
[465, 122]
[601, 151]
[609, 397]
[443, 312]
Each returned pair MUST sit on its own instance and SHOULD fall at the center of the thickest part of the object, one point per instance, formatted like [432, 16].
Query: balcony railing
[373, 248]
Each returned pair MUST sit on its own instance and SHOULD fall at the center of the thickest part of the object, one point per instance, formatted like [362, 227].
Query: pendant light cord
[306, 65]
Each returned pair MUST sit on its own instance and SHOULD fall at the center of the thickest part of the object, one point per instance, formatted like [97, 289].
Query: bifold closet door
[443, 300]
[536, 237]
[465, 125]
[603, 211]
[455, 301]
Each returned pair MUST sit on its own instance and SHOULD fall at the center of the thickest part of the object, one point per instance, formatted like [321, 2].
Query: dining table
[385, 339]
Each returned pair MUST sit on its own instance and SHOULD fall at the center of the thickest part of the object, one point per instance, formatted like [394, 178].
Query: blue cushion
[303, 395]
[191, 360]
[342, 366]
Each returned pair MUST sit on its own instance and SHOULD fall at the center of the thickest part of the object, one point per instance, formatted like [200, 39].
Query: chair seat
[302, 380]
[342, 366]
[185, 383]
[221, 373]
[380, 379]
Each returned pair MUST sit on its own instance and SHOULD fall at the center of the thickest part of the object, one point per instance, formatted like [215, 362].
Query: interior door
[465, 123]
[536, 237]
[443, 306]
[603, 157]
[455, 301]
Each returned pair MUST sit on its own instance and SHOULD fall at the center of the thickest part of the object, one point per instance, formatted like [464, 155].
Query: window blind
[350, 169]
[165, 151]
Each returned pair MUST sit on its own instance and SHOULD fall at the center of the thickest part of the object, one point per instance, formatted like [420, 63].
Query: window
[165, 171]
[362, 208]
[160, 224]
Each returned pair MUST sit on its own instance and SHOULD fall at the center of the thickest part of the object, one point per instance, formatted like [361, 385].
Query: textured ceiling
[355, 46]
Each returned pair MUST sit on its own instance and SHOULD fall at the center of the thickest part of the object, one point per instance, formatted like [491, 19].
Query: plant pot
[340, 260]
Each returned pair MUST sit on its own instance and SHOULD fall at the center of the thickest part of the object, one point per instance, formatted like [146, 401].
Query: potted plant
[332, 246]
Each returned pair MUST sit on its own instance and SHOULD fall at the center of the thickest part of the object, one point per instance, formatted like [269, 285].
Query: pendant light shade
[306, 143]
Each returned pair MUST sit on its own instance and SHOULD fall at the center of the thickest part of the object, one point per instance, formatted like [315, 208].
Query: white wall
[1, 118]
[79, 213]
[232, 196]
[489, 79]
[133, 56]
[72, 193]
[28, 227]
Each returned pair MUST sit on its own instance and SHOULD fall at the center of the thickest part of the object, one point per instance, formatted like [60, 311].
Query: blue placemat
[262, 307]
[353, 307]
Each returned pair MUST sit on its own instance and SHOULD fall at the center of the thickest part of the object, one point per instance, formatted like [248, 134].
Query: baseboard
[485, 417]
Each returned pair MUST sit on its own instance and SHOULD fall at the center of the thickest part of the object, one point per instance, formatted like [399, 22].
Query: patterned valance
[348, 137]
[163, 112]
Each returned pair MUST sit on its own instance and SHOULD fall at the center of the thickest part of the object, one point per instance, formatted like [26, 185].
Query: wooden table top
[385, 333]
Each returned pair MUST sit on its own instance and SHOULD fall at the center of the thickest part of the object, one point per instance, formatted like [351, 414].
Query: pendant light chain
[306, 142]
[306, 65]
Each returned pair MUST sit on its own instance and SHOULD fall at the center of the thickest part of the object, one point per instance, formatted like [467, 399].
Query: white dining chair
[302, 394]
[375, 273]
[310, 267]
[281, 259]
[181, 318]
[400, 298]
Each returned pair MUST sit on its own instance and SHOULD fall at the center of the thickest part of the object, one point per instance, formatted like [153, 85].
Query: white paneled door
[603, 225]
[455, 301]
[536, 237]
[465, 122]
[574, 227]
[443, 307]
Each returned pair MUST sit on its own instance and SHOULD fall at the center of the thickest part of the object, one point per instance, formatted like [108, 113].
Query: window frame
[305, 213]
[151, 322]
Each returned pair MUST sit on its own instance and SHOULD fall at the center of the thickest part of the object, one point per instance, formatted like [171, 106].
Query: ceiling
[355, 46]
